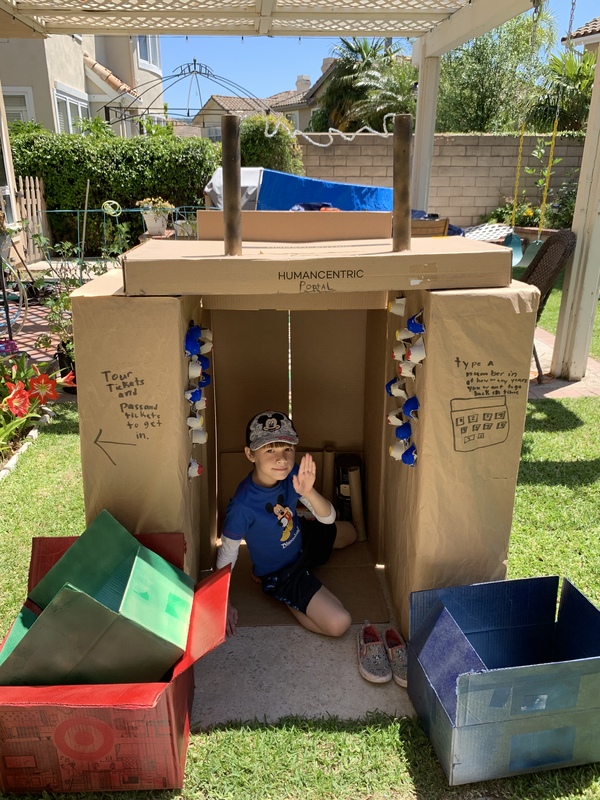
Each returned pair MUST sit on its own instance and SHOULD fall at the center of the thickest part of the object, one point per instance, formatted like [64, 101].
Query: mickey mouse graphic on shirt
[284, 517]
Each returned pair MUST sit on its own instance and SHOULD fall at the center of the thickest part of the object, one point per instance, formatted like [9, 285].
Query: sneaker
[395, 648]
[373, 662]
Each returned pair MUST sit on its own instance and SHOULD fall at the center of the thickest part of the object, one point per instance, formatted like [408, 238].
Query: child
[283, 548]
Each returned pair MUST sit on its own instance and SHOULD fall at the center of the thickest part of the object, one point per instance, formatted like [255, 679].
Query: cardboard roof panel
[159, 267]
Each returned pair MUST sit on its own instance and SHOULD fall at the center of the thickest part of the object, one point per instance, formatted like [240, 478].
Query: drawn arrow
[100, 443]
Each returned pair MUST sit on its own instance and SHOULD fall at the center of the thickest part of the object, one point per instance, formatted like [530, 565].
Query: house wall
[148, 84]
[65, 62]
[23, 64]
[470, 175]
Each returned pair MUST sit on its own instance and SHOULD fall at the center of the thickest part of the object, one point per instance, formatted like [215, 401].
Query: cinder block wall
[470, 175]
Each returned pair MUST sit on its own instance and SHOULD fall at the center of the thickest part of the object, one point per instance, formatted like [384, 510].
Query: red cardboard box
[108, 737]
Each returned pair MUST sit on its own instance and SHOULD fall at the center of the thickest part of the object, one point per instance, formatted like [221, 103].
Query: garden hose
[112, 208]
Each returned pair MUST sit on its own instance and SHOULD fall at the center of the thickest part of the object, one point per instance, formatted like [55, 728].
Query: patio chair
[429, 227]
[544, 270]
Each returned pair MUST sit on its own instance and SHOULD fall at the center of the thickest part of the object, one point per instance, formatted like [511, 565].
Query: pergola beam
[473, 20]
[15, 14]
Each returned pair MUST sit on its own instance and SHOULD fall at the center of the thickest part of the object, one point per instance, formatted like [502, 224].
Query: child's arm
[304, 484]
[227, 554]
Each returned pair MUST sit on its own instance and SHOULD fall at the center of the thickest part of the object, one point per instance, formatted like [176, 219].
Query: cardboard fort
[108, 737]
[323, 307]
[120, 612]
[501, 684]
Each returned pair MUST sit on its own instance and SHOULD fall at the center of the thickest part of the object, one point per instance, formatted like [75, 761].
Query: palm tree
[568, 87]
[354, 58]
[391, 89]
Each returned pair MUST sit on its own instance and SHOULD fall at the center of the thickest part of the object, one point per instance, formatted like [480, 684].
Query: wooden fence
[31, 209]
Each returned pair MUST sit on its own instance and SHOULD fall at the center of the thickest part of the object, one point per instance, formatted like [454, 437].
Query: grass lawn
[555, 531]
[549, 318]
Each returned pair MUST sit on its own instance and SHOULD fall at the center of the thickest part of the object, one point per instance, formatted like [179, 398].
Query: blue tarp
[279, 191]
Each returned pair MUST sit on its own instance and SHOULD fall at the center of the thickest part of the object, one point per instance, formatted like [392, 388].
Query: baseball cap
[269, 427]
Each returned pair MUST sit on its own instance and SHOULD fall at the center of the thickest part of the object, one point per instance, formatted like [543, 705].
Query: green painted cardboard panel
[78, 640]
[159, 597]
[90, 562]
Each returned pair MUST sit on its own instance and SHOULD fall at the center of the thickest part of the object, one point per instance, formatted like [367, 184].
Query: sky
[265, 66]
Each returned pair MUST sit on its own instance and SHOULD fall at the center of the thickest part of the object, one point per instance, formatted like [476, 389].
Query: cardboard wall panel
[251, 375]
[328, 367]
[454, 509]
[135, 444]
[377, 369]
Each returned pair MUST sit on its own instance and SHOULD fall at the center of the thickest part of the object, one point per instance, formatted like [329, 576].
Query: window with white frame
[18, 102]
[69, 109]
[149, 52]
[214, 133]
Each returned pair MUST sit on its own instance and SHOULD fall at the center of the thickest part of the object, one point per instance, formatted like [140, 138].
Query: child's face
[272, 463]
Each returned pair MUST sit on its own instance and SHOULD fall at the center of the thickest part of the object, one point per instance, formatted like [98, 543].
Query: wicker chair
[429, 227]
[544, 270]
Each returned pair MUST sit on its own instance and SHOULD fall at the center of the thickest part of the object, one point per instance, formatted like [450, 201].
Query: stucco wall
[470, 175]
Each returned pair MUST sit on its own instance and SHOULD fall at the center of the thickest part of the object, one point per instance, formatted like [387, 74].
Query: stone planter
[155, 221]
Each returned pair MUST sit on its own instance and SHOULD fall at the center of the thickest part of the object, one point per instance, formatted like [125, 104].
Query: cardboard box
[501, 684]
[108, 737]
[120, 612]
[313, 267]
[293, 226]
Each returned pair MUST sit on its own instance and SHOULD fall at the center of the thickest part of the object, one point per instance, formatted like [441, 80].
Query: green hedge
[124, 170]
[279, 150]
[127, 170]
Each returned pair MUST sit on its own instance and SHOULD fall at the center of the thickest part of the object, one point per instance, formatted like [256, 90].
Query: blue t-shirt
[266, 518]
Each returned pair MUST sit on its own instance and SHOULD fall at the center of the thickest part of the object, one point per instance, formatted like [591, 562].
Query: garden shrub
[280, 151]
[123, 170]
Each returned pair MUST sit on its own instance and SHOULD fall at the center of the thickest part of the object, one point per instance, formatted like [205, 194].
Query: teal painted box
[109, 611]
[503, 684]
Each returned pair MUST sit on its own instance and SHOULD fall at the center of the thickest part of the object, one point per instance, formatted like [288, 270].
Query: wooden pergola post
[232, 185]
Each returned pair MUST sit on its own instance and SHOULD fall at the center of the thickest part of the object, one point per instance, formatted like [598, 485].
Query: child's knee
[346, 534]
[338, 624]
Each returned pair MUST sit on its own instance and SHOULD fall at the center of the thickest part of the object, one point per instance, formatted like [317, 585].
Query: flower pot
[65, 365]
[155, 221]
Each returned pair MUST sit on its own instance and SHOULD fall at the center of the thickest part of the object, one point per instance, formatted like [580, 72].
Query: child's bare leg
[345, 534]
[324, 614]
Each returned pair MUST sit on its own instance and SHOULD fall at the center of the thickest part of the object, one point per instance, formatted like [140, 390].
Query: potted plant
[155, 212]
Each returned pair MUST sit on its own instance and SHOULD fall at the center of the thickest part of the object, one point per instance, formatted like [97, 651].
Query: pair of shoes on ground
[381, 658]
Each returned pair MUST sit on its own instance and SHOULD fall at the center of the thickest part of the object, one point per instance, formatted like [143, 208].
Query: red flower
[18, 399]
[69, 379]
[44, 387]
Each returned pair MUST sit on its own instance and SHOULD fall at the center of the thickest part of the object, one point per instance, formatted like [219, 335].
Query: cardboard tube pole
[356, 503]
[328, 473]
[401, 182]
[232, 185]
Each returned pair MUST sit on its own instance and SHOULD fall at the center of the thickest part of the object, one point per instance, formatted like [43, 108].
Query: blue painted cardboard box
[503, 684]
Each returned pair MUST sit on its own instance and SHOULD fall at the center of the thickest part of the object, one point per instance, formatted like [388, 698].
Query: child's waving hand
[305, 479]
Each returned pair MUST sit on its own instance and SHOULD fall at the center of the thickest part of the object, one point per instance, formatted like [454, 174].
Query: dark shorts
[295, 585]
